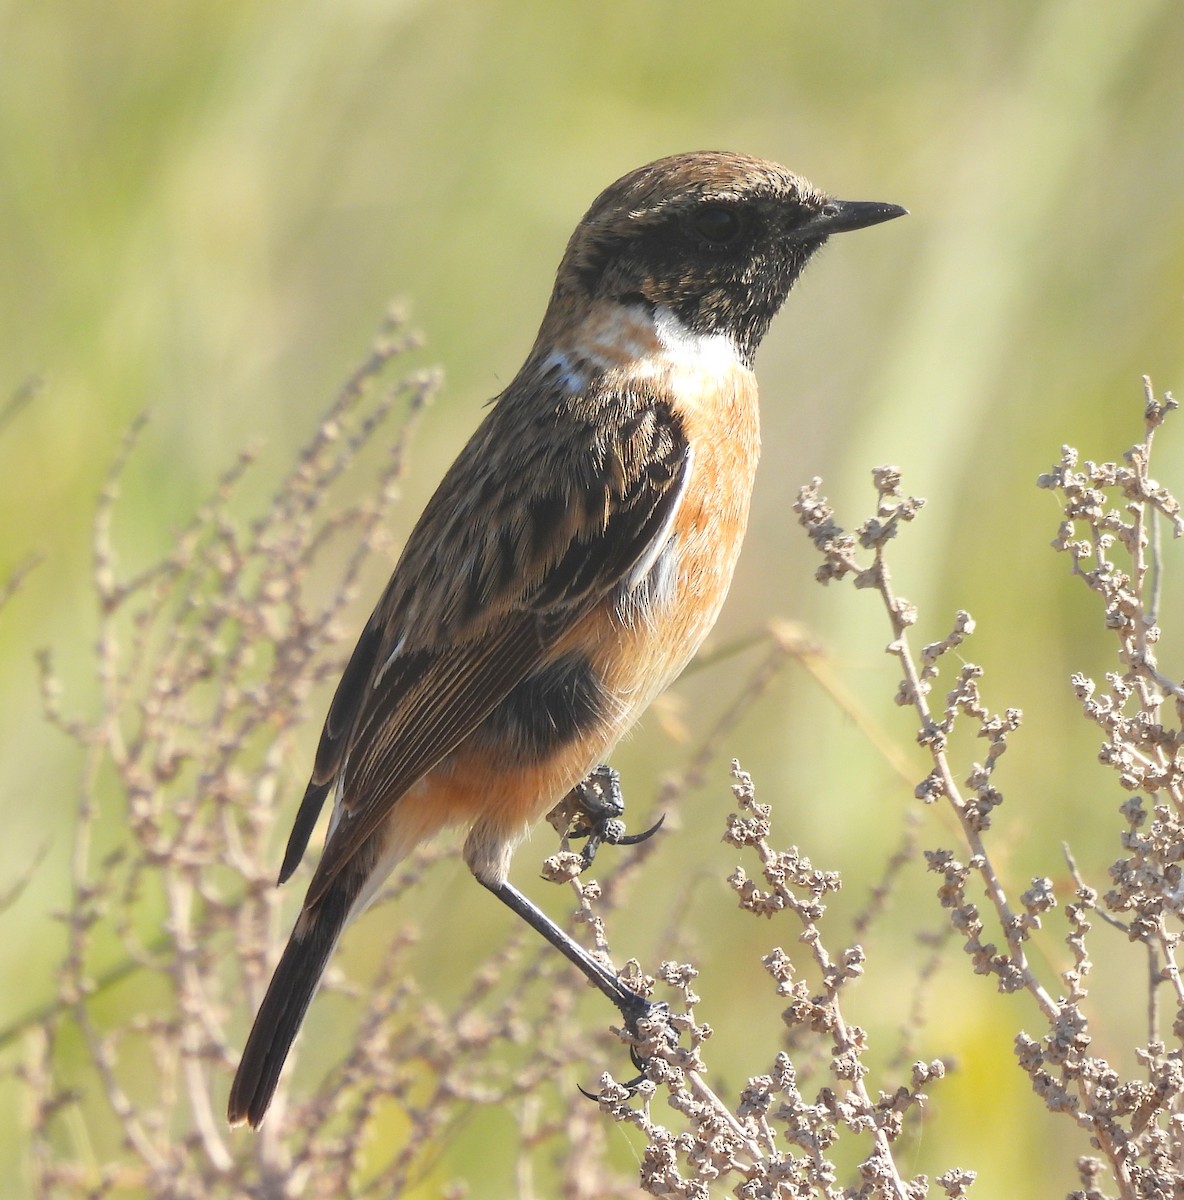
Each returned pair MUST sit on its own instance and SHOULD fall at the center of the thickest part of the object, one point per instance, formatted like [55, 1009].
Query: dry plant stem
[1134, 1122]
[841, 560]
[156, 586]
[1145, 758]
[901, 617]
[774, 1138]
[845, 1043]
[203, 662]
[1153, 968]
[1148, 502]
[701, 1091]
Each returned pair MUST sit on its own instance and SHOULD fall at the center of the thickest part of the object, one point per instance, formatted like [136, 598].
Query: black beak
[838, 216]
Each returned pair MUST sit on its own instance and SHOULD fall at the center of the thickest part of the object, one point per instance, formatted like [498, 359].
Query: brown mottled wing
[548, 508]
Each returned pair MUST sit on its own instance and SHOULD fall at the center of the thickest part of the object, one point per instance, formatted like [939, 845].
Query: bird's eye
[717, 225]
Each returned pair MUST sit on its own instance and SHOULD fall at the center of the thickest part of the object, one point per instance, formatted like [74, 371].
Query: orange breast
[721, 418]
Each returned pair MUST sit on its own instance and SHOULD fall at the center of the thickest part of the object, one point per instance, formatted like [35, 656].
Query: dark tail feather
[288, 996]
[306, 819]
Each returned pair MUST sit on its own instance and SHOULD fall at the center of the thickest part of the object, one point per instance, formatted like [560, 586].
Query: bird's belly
[658, 627]
[659, 624]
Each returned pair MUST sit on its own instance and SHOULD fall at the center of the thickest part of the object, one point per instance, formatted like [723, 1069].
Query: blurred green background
[205, 207]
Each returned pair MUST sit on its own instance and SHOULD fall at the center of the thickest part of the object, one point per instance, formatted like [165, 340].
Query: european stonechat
[570, 563]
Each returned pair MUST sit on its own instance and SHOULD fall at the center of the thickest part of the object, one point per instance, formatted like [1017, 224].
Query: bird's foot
[598, 811]
[648, 1028]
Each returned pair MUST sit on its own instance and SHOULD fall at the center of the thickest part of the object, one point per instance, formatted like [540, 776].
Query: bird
[569, 564]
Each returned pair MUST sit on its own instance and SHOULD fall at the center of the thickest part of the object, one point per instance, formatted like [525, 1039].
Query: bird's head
[717, 239]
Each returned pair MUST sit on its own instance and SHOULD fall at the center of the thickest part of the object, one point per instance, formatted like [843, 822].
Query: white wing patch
[651, 582]
[390, 658]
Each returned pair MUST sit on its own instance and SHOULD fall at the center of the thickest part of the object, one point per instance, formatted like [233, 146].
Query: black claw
[640, 1064]
[630, 1085]
[635, 839]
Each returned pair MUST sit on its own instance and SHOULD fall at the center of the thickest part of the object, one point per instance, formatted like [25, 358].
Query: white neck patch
[709, 351]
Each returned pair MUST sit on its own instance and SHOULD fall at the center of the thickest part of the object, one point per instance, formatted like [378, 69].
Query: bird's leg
[592, 810]
[600, 807]
[632, 1006]
[629, 1004]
